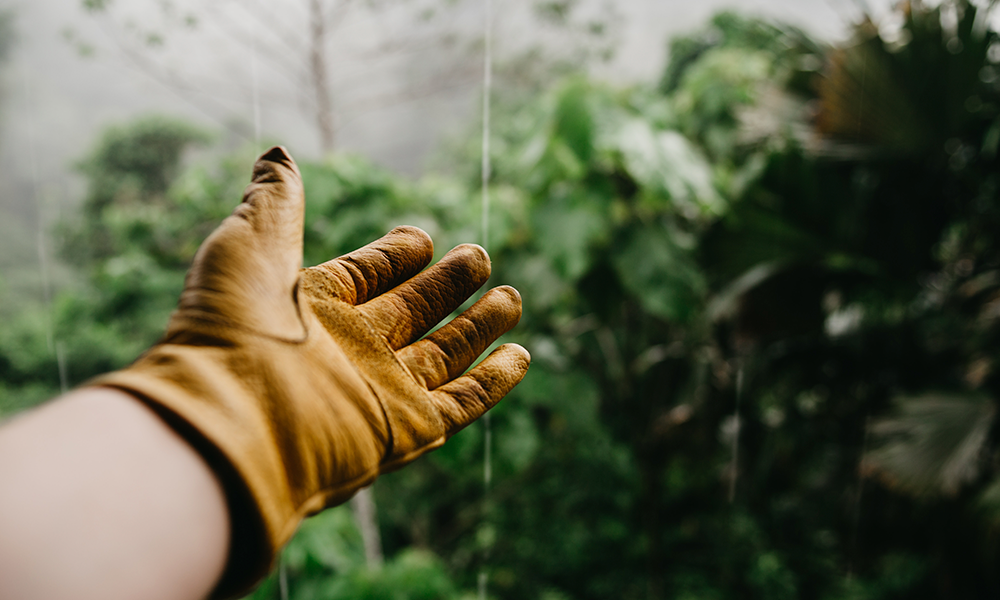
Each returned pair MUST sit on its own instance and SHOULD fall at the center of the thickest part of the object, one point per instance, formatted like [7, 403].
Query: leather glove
[301, 386]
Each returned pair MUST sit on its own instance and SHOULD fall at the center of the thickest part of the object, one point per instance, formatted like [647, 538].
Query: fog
[401, 79]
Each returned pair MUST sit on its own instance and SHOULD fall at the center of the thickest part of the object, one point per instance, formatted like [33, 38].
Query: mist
[403, 78]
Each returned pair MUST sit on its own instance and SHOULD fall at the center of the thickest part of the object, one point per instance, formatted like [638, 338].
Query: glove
[301, 386]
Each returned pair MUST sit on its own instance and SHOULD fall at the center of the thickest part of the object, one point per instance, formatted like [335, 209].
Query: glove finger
[449, 351]
[467, 398]
[374, 269]
[274, 202]
[408, 311]
[252, 259]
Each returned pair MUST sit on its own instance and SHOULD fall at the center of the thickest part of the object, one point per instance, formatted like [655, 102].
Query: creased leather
[301, 386]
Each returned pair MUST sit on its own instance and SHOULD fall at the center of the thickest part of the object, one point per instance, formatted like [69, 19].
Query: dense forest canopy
[761, 295]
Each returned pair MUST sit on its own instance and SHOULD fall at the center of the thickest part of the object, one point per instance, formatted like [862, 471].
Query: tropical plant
[761, 298]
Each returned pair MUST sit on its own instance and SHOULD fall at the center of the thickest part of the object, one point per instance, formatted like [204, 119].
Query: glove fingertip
[519, 355]
[413, 242]
[264, 167]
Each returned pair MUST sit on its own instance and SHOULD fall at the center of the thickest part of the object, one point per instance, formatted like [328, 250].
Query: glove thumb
[245, 273]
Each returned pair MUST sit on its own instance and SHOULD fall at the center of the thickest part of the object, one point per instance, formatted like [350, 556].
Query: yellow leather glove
[301, 386]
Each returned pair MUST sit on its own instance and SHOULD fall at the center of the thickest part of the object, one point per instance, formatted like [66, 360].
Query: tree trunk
[318, 75]
[363, 505]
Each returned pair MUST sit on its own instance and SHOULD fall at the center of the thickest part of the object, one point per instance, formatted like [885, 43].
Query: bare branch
[402, 46]
[271, 24]
[463, 76]
[205, 104]
[338, 13]
[318, 72]
[283, 62]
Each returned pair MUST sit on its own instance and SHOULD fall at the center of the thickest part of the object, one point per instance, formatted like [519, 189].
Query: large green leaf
[666, 163]
[567, 228]
[655, 266]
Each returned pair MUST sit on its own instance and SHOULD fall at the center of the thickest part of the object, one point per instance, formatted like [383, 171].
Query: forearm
[300, 386]
[99, 498]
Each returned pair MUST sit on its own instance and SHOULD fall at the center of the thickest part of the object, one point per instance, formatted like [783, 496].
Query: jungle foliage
[762, 297]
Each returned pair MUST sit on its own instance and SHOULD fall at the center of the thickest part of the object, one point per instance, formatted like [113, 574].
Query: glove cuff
[217, 413]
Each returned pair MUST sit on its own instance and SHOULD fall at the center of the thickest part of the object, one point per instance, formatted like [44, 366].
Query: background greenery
[762, 295]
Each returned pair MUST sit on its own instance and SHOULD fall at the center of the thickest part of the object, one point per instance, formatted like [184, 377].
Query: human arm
[101, 500]
[298, 387]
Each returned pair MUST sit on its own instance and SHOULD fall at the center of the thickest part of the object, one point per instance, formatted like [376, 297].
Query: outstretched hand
[308, 383]
[368, 301]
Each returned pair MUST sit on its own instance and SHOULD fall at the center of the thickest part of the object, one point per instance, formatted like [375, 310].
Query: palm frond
[863, 109]
[931, 444]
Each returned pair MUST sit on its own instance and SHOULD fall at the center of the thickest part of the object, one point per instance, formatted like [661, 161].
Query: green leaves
[666, 165]
[675, 259]
[328, 542]
[654, 265]
[573, 123]
[411, 575]
[325, 561]
[145, 154]
[568, 230]
[95, 6]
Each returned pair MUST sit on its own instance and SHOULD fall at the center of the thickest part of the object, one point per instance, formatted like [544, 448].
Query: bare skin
[100, 499]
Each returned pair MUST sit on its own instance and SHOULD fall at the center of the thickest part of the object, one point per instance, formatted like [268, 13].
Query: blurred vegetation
[761, 295]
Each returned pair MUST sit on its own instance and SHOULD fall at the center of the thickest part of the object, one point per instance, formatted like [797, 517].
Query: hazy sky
[57, 102]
